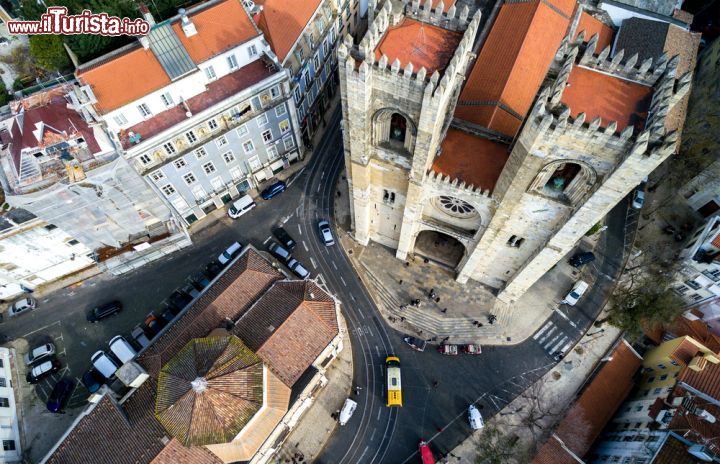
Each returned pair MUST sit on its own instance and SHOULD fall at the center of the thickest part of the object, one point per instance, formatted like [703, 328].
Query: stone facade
[515, 233]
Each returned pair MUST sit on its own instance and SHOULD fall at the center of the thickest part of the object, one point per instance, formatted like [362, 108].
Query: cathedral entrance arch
[439, 247]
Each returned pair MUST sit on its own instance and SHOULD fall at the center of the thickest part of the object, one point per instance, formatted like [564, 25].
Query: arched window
[398, 128]
[561, 178]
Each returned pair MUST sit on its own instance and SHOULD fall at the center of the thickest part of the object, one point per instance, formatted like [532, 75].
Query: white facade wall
[9, 432]
[699, 279]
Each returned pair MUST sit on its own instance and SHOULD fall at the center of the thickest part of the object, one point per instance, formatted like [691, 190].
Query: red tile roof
[682, 326]
[419, 43]
[610, 98]
[706, 380]
[283, 21]
[228, 298]
[684, 352]
[593, 409]
[289, 327]
[673, 451]
[132, 74]
[716, 241]
[472, 159]
[175, 453]
[447, 4]
[216, 92]
[513, 62]
[592, 26]
[220, 27]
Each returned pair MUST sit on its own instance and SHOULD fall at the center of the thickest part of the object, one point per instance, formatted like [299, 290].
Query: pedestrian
[417, 302]
[435, 383]
[446, 339]
[476, 322]
[426, 260]
[402, 319]
[401, 281]
[420, 332]
[339, 194]
[437, 300]
[480, 324]
[444, 310]
[407, 264]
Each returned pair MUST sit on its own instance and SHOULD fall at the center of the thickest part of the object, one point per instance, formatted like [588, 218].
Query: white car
[22, 306]
[576, 293]
[638, 199]
[475, 418]
[326, 233]
[40, 353]
[227, 255]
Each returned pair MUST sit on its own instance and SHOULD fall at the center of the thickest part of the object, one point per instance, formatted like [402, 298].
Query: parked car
[199, 280]
[326, 233]
[347, 411]
[638, 199]
[273, 190]
[415, 343]
[167, 316]
[231, 252]
[60, 394]
[213, 270]
[284, 238]
[580, 259]
[138, 334]
[448, 350]
[104, 364]
[298, 269]
[189, 290]
[577, 291]
[92, 380]
[178, 300]
[122, 349]
[279, 252]
[241, 206]
[153, 324]
[39, 353]
[42, 370]
[103, 311]
[475, 418]
[470, 348]
[22, 306]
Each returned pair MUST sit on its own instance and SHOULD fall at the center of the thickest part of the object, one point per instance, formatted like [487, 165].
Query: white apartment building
[697, 281]
[9, 432]
[200, 107]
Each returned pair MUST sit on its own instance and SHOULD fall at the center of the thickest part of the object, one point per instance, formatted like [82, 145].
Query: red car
[470, 349]
[425, 453]
[448, 350]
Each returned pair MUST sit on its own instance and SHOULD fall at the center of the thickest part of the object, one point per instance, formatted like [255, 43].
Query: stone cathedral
[504, 157]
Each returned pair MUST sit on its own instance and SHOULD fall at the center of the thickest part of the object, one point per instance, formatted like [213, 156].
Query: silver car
[22, 306]
[326, 233]
[40, 353]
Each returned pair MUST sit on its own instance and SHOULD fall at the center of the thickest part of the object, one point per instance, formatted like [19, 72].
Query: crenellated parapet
[443, 181]
[453, 19]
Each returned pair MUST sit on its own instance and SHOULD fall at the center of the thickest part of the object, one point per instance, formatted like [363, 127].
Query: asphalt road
[375, 433]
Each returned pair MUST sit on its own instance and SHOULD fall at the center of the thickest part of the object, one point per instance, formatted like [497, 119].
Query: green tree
[647, 300]
[49, 52]
[4, 96]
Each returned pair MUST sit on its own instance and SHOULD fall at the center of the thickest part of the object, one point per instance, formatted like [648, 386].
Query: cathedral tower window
[567, 181]
[398, 127]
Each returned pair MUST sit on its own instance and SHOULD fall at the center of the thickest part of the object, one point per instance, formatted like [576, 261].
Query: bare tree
[539, 413]
[495, 447]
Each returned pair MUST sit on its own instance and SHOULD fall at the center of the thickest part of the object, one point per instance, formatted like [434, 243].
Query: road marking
[377, 350]
[287, 219]
[41, 328]
[362, 315]
[299, 230]
[565, 348]
[373, 434]
[267, 239]
[297, 211]
[547, 325]
[363, 453]
[305, 246]
[565, 316]
[322, 174]
[494, 403]
[555, 348]
[379, 411]
[545, 337]
[367, 329]
[312, 261]
[549, 344]
[334, 265]
[318, 189]
[343, 281]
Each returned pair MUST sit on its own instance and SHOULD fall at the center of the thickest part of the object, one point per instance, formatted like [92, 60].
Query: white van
[122, 349]
[347, 411]
[475, 418]
[575, 294]
[241, 206]
[104, 364]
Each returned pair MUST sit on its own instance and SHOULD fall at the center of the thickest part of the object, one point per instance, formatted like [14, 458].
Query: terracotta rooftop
[593, 409]
[685, 351]
[513, 63]
[216, 92]
[209, 390]
[673, 451]
[421, 44]
[175, 453]
[228, 298]
[591, 25]
[682, 326]
[289, 327]
[283, 21]
[694, 427]
[475, 160]
[610, 98]
[706, 380]
[118, 79]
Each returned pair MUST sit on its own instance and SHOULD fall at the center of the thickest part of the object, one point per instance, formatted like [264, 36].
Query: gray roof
[663, 7]
[169, 51]
[642, 36]
[14, 217]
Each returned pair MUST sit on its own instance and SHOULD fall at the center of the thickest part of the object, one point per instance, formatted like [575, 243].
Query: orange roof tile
[513, 63]
[447, 4]
[124, 78]
[420, 44]
[684, 352]
[475, 160]
[609, 97]
[716, 241]
[219, 27]
[593, 409]
[592, 26]
[283, 21]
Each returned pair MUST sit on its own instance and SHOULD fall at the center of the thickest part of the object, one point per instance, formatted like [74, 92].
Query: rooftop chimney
[187, 26]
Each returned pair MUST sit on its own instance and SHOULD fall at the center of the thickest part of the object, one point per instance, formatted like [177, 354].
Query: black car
[279, 252]
[178, 300]
[199, 280]
[284, 238]
[103, 311]
[213, 269]
[582, 258]
[92, 380]
[273, 190]
[60, 394]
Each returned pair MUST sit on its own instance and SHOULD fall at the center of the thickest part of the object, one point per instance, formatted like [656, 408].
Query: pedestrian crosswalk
[553, 339]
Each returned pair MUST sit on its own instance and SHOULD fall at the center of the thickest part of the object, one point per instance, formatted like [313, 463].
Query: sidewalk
[316, 426]
[393, 283]
[532, 416]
